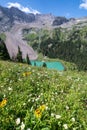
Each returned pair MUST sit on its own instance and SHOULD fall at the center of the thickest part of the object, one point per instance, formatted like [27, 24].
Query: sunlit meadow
[33, 98]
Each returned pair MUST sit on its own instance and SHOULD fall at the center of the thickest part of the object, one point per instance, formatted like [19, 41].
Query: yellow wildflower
[26, 74]
[42, 107]
[38, 113]
[3, 102]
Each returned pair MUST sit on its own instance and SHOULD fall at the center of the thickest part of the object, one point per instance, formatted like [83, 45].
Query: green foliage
[3, 36]
[35, 36]
[31, 37]
[57, 35]
[59, 97]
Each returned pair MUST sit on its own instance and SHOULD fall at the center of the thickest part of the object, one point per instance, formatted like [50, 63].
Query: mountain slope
[8, 20]
[14, 39]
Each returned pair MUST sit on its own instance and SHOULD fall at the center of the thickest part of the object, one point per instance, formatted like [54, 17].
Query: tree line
[69, 46]
[66, 44]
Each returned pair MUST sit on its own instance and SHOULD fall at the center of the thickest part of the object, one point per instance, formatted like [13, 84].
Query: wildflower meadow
[37, 98]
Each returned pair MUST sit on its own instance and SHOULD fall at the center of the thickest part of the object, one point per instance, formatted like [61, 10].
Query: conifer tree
[3, 51]
[44, 64]
[28, 60]
[19, 55]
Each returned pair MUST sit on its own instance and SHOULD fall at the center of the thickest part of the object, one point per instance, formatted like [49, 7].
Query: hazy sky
[67, 8]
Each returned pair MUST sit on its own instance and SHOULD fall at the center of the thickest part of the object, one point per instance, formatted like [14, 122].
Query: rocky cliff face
[8, 17]
[45, 19]
[5, 22]
[59, 21]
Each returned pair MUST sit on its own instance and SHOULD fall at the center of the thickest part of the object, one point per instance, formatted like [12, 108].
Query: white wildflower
[30, 95]
[74, 128]
[73, 119]
[39, 96]
[20, 79]
[31, 109]
[4, 96]
[9, 88]
[57, 116]
[29, 100]
[67, 107]
[46, 107]
[22, 126]
[56, 93]
[28, 129]
[24, 104]
[18, 121]
[32, 100]
[10, 81]
[52, 99]
[37, 99]
[52, 114]
[65, 126]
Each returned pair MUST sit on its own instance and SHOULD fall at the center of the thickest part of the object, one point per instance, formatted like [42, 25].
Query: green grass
[27, 88]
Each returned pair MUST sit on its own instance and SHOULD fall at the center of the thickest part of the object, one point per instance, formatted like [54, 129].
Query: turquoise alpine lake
[50, 65]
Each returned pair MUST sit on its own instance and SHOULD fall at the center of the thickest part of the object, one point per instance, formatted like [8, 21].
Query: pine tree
[28, 60]
[19, 55]
[3, 51]
[44, 64]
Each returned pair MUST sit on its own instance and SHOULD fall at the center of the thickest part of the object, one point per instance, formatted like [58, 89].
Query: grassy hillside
[33, 98]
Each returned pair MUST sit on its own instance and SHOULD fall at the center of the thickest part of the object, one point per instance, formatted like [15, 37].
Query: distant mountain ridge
[11, 16]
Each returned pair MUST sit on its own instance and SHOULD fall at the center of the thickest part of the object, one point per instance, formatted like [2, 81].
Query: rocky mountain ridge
[11, 16]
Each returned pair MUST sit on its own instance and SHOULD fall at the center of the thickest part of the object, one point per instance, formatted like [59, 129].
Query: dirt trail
[14, 39]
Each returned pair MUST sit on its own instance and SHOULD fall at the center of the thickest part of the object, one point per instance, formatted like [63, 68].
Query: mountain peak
[9, 16]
